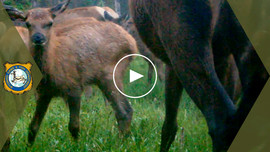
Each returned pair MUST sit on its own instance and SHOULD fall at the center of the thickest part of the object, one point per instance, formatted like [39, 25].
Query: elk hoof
[124, 128]
[31, 139]
[31, 135]
[74, 132]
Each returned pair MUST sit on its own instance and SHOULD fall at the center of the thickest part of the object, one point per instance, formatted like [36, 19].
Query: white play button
[133, 76]
[128, 87]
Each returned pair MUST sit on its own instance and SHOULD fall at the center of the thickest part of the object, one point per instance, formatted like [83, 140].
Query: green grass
[99, 128]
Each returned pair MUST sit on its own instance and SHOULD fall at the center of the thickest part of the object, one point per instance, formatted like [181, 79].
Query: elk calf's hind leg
[173, 94]
[74, 103]
[160, 70]
[41, 108]
[88, 92]
[122, 108]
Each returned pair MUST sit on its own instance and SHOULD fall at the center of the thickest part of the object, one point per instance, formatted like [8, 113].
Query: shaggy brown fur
[76, 53]
[93, 11]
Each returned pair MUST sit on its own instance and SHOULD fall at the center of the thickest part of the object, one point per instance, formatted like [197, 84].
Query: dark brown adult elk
[226, 69]
[75, 53]
[185, 34]
[127, 24]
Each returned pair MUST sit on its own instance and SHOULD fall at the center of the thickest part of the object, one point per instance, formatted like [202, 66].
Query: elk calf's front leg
[74, 120]
[41, 108]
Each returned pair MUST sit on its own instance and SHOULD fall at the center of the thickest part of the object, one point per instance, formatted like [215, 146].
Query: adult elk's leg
[123, 110]
[197, 74]
[41, 108]
[173, 94]
[228, 74]
[159, 67]
[231, 79]
[253, 75]
[225, 64]
[191, 57]
[253, 78]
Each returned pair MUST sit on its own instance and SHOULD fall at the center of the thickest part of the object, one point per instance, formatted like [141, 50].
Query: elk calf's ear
[108, 16]
[126, 17]
[14, 13]
[122, 19]
[59, 8]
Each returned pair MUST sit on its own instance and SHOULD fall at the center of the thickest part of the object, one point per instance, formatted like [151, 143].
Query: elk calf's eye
[48, 25]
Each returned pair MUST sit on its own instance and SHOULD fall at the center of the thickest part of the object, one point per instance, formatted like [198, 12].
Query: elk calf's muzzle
[38, 39]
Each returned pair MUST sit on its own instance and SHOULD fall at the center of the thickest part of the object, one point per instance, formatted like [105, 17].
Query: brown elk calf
[93, 11]
[75, 53]
[185, 36]
[24, 33]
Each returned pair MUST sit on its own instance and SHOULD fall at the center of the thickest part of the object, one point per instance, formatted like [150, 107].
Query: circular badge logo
[18, 78]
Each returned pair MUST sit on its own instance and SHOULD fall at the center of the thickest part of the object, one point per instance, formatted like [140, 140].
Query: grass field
[99, 128]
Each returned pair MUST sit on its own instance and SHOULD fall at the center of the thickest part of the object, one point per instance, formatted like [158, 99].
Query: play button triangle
[133, 76]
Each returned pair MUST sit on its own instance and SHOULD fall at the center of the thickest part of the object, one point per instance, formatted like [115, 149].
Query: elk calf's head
[39, 22]
[129, 26]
